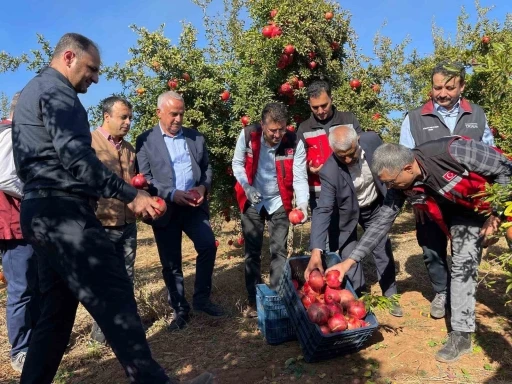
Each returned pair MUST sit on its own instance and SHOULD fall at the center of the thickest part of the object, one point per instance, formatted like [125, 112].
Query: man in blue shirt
[446, 114]
[174, 160]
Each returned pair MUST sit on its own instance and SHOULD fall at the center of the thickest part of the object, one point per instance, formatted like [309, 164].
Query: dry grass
[400, 351]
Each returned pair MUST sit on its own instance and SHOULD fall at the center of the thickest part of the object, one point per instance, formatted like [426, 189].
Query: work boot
[438, 306]
[180, 321]
[458, 344]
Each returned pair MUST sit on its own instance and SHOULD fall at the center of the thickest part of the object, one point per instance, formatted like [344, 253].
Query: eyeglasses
[392, 183]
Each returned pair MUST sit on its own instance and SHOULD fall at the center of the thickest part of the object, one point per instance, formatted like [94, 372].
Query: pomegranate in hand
[193, 196]
[296, 216]
[139, 181]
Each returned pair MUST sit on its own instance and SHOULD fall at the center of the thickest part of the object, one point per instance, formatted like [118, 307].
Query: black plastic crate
[315, 345]
[273, 320]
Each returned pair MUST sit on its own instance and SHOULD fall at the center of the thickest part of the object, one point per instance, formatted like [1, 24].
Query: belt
[45, 193]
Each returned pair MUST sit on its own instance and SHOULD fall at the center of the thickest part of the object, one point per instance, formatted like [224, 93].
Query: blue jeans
[20, 269]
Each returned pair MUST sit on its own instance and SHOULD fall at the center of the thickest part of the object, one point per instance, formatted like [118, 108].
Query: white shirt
[9, 181]
[364, 183]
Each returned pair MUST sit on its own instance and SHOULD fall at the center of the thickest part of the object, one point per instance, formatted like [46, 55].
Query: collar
[107, 135]
[319, 123]
[52, 72]
[441, 109]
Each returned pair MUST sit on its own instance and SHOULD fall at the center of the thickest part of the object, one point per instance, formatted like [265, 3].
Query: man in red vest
[447, 173]
[19, 262]
[269, 165]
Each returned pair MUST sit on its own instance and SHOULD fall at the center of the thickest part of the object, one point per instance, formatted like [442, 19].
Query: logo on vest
[430, 128]
[471, 125]
[449, 176]
[289, 151]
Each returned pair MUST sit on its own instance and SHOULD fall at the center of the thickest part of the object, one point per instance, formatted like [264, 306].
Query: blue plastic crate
[315, 345]
[273, 320]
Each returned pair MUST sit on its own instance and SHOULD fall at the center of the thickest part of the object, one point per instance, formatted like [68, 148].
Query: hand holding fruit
[139, 181]
[146, 206]
[314, 166]
[304, 209]
[196, 195]
[342, 268]
[315, 262]
[253, 195]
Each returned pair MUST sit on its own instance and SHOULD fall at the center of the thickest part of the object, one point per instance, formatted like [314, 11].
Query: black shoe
[210, 309]
[396, 310]
[97, 335]
[458, 344]
[179, 321]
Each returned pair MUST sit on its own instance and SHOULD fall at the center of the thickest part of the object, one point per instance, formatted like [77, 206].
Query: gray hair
[342, 137]
[14, 101]
[164, 97]
[391, 157]
[75, 42]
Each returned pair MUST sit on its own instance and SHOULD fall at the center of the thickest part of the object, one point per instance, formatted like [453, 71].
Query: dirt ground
[401, 350]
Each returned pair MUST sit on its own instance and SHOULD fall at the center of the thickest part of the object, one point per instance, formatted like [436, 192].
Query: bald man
[349, 186]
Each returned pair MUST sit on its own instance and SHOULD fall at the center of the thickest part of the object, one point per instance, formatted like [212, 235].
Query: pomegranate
[307, 300]
[225, 95]
[276, 31]
[376, 116]
[273, 13]
[332, 278]
[312, 65]
[186, 77]
[332, 296]
[486, 40]
[329, 16]
[217, 243]
[240, 241]
[193, 196]
[325, 329]
[173, 83]
[335, 46]
[290, 128]
[337, 323]
[346, 297]
[317, 161]
[3, 280]
[245, 120]
[356, 309]
[311, 55]
[295, 284]
[353, 323]
[334, 308]
[355, 84]
[318, 313]
[306, 288]
[508, 234]
[320, 299]
[289, 49]
[376, 88]
[140, 91]
[316, 281]
[296, 216]
[286, 88]
[162, 204]
[267, 31]
[230, 242]
[300, 84]
[139, 181]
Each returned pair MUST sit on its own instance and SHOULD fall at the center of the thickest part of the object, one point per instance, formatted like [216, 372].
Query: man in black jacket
[63, 180]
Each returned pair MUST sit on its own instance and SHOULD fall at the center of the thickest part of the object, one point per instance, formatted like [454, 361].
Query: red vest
[9, 218]
[284, 165]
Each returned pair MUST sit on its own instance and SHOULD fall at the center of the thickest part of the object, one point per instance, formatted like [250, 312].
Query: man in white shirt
[18, 261]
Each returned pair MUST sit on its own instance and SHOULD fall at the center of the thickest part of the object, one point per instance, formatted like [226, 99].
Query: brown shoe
[250, 312]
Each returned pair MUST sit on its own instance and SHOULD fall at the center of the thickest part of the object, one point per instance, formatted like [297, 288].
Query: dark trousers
[22, 309]
[333, 232]
[124, 238]
[196, 225]
[382, 254]
[433, 243]
[77, 262]
[253, 225]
